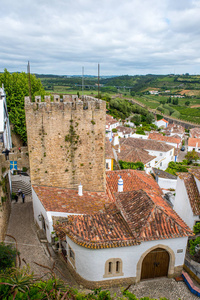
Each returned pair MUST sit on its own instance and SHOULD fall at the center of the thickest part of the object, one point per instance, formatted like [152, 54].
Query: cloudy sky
[124, 36]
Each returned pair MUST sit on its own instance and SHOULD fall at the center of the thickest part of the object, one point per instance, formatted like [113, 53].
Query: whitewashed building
[176, 142]
[121, 243]
[194, 144]
[187, 199]
[163, 153]
[5, 135]
[161, 123]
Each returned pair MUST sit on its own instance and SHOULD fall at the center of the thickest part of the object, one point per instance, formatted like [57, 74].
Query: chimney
[80, 190]
[120, 185]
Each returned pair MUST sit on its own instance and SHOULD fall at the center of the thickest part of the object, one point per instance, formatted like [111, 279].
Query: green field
[137, 87]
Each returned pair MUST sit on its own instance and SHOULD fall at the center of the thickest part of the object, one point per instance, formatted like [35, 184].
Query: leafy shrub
[7, 256]
[176, 114]
[130, 165]
[140, 131]
[193, 243]
[174, 167]
[196, 228]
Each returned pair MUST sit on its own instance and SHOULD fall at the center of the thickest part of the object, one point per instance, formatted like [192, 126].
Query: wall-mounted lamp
[39, 217]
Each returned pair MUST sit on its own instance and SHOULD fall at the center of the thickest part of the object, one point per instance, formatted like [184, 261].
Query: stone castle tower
[66, 141]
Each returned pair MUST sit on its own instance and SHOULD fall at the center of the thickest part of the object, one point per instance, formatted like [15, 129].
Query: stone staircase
[21, 182]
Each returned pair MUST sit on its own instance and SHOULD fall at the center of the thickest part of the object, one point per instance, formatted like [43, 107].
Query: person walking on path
[16, 198]
[19, 192]
[6, 152]
[23, 197]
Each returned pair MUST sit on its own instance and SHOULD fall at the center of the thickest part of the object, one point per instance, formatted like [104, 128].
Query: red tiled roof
[176, 128]
[110, 120]
[162, 138]
[133, 180]
[108, 149]
[67, 200]
[163, 120]
[97, 231]
[195, 132]
[124, 129]
[192, 142]
[150, 218]
[192, 191]
[130, 154]
[146, 144]
[137, 214]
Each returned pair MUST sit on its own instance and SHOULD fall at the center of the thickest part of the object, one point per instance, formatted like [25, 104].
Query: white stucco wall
[161, 123]
[166, 183]
[38, 209]
[162, 157]
[182, 204]
[139, 136]
[197, 149]
[90, 264]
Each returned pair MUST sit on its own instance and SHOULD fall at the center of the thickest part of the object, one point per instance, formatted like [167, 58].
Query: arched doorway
[155, 264]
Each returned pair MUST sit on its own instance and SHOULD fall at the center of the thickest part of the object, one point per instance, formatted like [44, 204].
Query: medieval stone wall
[66, 142]
[5, 201]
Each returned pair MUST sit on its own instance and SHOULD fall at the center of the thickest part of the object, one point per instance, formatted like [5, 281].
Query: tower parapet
[66, 141]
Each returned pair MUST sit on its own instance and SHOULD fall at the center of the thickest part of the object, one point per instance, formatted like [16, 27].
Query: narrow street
[22, 228]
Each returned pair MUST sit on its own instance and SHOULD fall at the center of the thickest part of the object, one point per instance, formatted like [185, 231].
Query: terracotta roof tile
[195, 132]
[68, 200]
[133, 180]
[108, 149]
[130, 154]
[192, 191]
[124, 129]
[193, 142]
[97, 231]
[110, 120]
[150, 217]
[162, 138]
[146, 144]
[163, 174]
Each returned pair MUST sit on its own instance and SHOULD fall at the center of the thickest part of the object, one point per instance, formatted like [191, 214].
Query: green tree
[17, 88]
[136, 119]
[192, 155]
[149, 118]
[187, 103]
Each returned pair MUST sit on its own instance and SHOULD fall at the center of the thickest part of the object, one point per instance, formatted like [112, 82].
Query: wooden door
[155, 264]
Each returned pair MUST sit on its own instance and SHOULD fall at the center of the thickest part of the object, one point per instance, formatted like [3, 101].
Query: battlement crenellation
[66, 102]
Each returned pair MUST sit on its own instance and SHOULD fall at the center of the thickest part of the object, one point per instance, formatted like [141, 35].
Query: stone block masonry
[66, 142]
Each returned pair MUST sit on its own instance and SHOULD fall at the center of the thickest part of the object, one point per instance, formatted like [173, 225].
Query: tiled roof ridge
[87, 242]
[193, 193]
[174, 220]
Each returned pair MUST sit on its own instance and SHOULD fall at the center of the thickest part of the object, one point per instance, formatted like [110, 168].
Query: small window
[160, 154]
[71, 255]
[107, 166]
[113, 267]
[110, 267]
[117, 266]
[161, 164]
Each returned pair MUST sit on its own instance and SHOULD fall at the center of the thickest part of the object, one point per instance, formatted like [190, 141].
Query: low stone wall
[192, 268]
[5, 206]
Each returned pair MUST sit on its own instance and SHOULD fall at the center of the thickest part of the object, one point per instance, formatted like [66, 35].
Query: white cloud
[126, 37]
